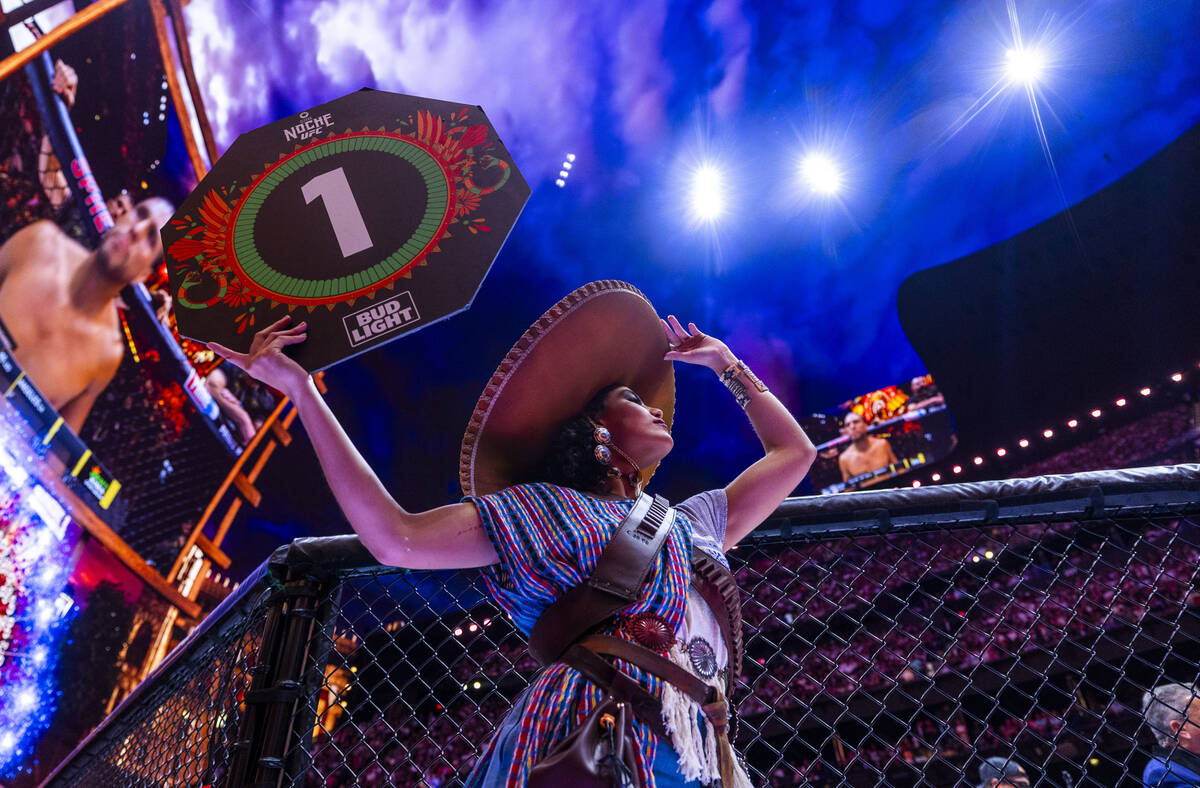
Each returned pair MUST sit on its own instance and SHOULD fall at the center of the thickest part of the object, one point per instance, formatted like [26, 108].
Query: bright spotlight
[1024, 65]
[821, 174]
[708, 193]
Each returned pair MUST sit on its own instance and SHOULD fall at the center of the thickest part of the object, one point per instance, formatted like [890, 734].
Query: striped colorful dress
[548, 539]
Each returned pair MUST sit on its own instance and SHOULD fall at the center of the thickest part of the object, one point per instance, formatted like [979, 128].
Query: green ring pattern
[262, 274]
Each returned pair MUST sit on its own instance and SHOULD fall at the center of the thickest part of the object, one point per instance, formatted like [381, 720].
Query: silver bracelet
[730, 377]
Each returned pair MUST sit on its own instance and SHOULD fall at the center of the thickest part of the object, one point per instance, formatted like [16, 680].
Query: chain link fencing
[894, 638]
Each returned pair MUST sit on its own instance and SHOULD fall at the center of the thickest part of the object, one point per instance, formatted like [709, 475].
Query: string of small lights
[1174, 380]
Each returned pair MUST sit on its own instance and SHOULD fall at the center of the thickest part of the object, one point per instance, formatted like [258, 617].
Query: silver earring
[603, 438]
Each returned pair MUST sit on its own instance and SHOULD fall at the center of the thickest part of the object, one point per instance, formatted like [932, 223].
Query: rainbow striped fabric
[549, 539]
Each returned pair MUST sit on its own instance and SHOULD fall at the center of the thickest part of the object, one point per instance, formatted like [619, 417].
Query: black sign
[369, 217]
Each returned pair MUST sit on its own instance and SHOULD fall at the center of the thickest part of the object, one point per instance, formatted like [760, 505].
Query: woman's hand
[692, 346]
[266, 360]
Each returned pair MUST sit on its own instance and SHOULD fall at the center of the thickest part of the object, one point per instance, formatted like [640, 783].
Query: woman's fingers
[232, 356]
[299, 328]
[276, 325]
[676, 327]
[291, 339]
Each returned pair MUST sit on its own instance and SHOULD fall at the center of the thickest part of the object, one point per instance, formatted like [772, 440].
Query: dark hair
[570, 460]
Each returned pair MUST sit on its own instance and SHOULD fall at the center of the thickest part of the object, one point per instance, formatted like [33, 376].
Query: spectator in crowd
[866, 453]
[59, 302]
[1173, 713]
[232, 411]
[1000, 772]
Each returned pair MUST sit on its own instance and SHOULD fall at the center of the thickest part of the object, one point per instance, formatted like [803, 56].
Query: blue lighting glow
[1024, 65]
[37, 538]
[821, 174]
[707, 197]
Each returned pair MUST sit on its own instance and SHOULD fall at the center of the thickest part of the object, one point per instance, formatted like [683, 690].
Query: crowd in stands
[1084, 594]
[399, 748]
[1124, 447]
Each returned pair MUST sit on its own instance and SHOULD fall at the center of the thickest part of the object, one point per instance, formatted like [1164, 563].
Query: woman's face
[637, 429]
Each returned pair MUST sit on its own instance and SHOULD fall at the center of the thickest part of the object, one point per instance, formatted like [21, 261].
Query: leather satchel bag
[599, 753]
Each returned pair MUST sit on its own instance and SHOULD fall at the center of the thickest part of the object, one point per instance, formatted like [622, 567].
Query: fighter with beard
[59, 302]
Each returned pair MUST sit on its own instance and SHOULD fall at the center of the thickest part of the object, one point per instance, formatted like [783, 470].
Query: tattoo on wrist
[731, 378]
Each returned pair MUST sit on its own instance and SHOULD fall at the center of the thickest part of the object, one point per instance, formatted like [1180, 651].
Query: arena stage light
[707, 198]
[821, 174]
[1024, 65]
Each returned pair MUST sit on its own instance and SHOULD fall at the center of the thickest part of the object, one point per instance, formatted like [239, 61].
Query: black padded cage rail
[894, 638]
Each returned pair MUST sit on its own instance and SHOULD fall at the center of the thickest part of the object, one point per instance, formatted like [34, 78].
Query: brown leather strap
[602, 673]
[585, 657]
[615, 583]
[650, 662]
[718, 587]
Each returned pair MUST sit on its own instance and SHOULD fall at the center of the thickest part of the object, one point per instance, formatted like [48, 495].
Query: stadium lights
[1120, 403]
[916, 482]
[1177, 377]
[1097, 413]
[1001, 451]
[1024, 65]
[957, 469]
[1023, 443]
[1047, 434]
[979, 461]
[937, 477]
[821, 174]
[707, 198]
[1073, 423]
[1145, 392]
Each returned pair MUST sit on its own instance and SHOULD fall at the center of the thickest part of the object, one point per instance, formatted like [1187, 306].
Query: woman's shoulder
[544, 498]
[710, 508]
[707, 512]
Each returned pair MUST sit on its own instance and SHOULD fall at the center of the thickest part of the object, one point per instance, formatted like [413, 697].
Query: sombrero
[602, 333]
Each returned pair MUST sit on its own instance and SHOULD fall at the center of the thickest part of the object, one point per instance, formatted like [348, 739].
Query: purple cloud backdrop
[642, 91]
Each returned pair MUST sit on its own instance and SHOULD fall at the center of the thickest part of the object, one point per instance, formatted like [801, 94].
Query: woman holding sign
[627, 601]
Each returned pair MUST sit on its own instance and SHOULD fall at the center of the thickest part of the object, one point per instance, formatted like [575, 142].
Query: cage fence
[893, 639]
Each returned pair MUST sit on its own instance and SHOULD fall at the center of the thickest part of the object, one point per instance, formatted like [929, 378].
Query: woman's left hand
[692, 346]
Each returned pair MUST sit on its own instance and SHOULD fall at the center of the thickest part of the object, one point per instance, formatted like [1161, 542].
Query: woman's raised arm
[787, 451]
[449, 537]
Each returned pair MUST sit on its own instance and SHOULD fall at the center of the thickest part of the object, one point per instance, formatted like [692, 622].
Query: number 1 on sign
[348, 226]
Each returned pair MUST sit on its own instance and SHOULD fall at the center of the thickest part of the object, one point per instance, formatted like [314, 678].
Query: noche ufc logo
[379, 319]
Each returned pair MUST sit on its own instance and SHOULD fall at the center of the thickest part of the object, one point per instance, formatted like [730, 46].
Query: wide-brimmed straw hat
[605, 332]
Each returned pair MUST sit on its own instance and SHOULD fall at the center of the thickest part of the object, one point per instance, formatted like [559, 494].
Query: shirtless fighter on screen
[865, 453]
[59, 302]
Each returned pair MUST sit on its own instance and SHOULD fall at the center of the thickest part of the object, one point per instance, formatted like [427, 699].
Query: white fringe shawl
[697, 749]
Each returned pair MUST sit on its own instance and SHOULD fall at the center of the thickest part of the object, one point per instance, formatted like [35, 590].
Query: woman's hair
[570, 459]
